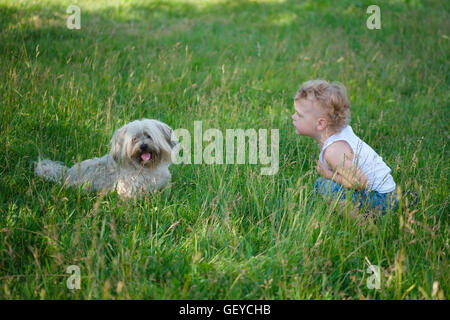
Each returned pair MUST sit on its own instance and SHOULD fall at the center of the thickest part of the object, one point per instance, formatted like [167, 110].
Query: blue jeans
[372, 199]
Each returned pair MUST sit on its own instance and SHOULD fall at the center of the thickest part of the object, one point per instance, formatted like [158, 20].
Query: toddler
[349, 167]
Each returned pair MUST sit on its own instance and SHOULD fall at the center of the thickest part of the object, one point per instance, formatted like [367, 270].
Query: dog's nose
[144, 146]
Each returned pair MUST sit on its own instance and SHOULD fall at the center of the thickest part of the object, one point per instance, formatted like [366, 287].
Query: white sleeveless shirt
[366, 159]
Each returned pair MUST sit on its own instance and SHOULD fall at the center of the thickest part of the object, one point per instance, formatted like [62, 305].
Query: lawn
[221, 231]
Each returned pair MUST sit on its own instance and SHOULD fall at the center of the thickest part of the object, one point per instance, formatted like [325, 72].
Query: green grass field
[221, 231]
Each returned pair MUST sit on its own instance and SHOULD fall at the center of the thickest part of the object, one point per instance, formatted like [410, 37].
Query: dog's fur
[138, 162]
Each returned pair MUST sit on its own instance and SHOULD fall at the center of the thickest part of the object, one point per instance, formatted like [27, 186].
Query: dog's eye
[134, 139]
[147, 135]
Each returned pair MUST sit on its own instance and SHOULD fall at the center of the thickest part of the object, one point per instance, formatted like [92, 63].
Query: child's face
[305, 117]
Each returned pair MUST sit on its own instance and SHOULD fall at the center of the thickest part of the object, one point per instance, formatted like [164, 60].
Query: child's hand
[325, 172]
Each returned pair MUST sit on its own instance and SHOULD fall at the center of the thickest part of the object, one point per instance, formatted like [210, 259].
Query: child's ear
[322, 123]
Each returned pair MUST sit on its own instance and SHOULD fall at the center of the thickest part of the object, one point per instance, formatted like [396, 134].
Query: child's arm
[332, 175]
[338, 156]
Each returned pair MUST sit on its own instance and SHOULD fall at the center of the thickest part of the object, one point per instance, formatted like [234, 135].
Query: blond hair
[332, 97]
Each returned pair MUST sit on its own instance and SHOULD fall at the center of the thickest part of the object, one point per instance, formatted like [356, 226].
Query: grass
[224, 231]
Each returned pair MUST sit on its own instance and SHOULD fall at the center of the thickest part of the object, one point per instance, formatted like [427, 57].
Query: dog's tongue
[146, 156]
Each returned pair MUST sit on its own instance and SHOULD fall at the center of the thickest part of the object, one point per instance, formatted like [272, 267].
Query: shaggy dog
[138, 162]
